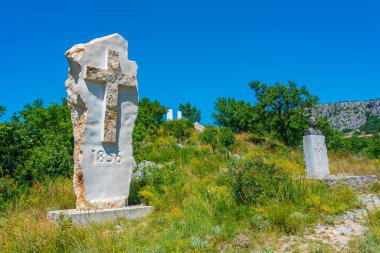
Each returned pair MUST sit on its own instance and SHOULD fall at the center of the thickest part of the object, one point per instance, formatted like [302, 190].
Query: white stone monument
[199, 127]
[315, 151]
[179, 115]
[103, 99]
[169, 115]
[317, 162]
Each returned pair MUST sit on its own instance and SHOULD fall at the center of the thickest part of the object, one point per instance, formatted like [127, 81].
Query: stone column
[315, 152]
[179, 115]
[169, 115]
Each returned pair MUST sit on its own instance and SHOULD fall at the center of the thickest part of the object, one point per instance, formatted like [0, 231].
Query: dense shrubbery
[369, 147]
[180, 129]
[203, 198]
[222, 138]
[197, 207]
[280, 110]
[372, 125]
[255, 182]
[276, 199]
[35, 145]
[149, 119]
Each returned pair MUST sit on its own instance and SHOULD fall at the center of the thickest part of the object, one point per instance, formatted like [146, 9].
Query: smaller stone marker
[317, 162]
[179, 115]
[169, 115]
[315, 151]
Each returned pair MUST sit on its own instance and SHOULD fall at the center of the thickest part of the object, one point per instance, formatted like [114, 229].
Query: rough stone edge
[78, 119]
[85, 217]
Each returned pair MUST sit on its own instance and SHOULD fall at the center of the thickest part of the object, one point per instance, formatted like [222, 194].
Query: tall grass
[197, 210]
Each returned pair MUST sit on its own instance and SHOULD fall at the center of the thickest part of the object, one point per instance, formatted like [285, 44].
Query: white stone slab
[86, 217]
[316, 159]
[179, 115]
[103, 99]
[169, 115]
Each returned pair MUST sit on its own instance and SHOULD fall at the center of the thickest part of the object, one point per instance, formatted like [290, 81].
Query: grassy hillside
[206, 202]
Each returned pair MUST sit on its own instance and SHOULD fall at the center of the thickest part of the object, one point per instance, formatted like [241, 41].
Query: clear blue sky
[195, 50]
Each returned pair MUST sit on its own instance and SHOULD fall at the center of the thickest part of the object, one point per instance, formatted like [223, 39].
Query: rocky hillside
[349, 115]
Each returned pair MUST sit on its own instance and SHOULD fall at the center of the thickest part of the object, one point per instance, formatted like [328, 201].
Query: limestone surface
[350, 181]
[199, 127]
[103, 99]
[85, 217]
[348, 115]
[315, 151]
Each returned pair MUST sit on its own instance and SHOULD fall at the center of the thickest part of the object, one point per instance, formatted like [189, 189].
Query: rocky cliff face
[349, 115]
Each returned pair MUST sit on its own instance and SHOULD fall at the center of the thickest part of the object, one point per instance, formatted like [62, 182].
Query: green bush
[255, 182]
[371, 240]
[36, 144]
[8, 189]
[226, 138]
[180, 129]
[285, 217]
[372, 124]
[149, 119]
[210, 137]
[369, 147]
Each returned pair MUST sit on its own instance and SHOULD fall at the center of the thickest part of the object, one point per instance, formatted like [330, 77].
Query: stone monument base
[85, 217]
[359, 182]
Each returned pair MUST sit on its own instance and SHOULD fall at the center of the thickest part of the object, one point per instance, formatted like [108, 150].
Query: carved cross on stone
[113, 78]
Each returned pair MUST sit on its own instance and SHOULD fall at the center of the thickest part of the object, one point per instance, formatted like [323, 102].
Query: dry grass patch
[350, 164]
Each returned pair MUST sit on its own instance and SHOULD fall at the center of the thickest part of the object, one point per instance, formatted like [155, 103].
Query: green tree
[149, 119]
[283, 110]
[50, 134]
[237, 115]
[210, 137]
[189, 112]
[37, 143]
[226, 138]
[13, 146]
[2, 110]
[180, 129]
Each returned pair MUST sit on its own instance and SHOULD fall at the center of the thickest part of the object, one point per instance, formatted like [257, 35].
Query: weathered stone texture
[348, 115]
[103, 99]
[351, 181]
[85, 217]
[199, 127]
[315, 152]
